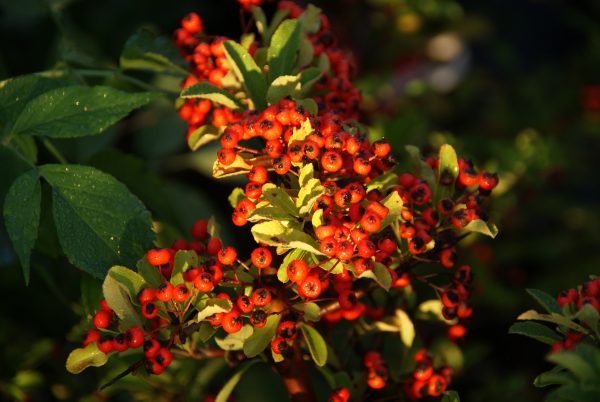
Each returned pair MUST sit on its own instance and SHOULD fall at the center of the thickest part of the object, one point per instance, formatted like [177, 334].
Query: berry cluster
[425, 380]
[574, 300]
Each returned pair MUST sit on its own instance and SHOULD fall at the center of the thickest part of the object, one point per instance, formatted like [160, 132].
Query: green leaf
[225, 392]
[556, 376]
[557, 319]
[289, 257]
[310, 19]
[204, 90]
[307, 172]
[308, 195]
[22, 216]
[306, 53]
[316, 345]
[274, 233]
[236, 340]
[309, 104]
[260, 18]
[394, 203]
[82, 358]
[282, 86]
[302, 132]
[15, 94]
[448, 162]
[548, 302]
[308, 77]
[420, 167]
[132, 281]
[406, 326]
[278, 18]
[236, 196]
[382, 182]
[312, 311]
[117, 297]
[589, 316]
[91, 294]
[247, 72]
[262, 337]
[208, 307]
[268, 213]
[145, 50]
[431, 310]
[317, 218]
[279, 198]
[203, 135]
[282, 52]
[184, 259]
[77, 111]
[450, 396]
[98, 221]
[534, 330]
[379, 274]
[574, 363]
[149, 272]
[480, 226]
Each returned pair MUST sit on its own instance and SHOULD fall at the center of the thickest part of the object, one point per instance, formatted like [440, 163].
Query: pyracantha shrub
[573, 338]
[356, 242]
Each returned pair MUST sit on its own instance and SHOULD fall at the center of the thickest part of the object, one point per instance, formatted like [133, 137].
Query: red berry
[102, 319]
[164, 292]
[280, 346]
[213, 246]
[297, 270]
[370, 222]
[149, 310]
[227, 255]
[192, 23]
[244, 304]
[158, 257]
[164, 357]
[310, 287]
[135, 337]
[232, 322]
[105, 344]
[120, 343]
[151, 348]
[287, 330]
[92, 336]
[261, 257]
[200, 229]
[261, 297]
[204, 282]
[181, 293]
[258, 174]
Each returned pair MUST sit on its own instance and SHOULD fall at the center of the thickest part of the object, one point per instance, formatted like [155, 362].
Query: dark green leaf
[548, 302]
[380, 274]
[279, 198]
[282, 86]
[117, 297]
[282, 52]
[422, 169]
[82, 358]
[589, 316]
[248, 72]
[149, 272]
[145, 50]
[574, 363]
[225, 392]
[260, 18]
[184, 259]
[383, 182]
[534, 330]
[208, 91]
[311, 311]
[308, 77]
[22, 216]
[310, 19]
[208, 307]
[15, 93]
[555, 318]
[555, 376]
[262, 337]
[98, 221]
[316, 345]
[450, 396]
[91, 294]
[77, 111]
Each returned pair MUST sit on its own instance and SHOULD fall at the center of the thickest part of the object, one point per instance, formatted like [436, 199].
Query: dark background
[513, 100]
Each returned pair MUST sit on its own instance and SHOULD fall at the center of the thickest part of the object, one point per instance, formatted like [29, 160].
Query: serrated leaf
[279, 198]
[262, 337]
[311, 311]
[379, 274]
[480, 226]
[15, 94]
[450, 396]
[553, 318]
[316, 345]
[145, 50]
[117, 297]
[548, 302]
[448, 162]
[184, 259]
[534, 330]
[283, 86]
[98, 221]
[247, 72]
[204, 90]
[274, 233]
[22, 216]
[77, 111]
[236, 196]
[82, 358]
[208, 307]
[236, 340]
[132, 281]
[394, 203]
[283, 49]
[225, 392]
[406, 327]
